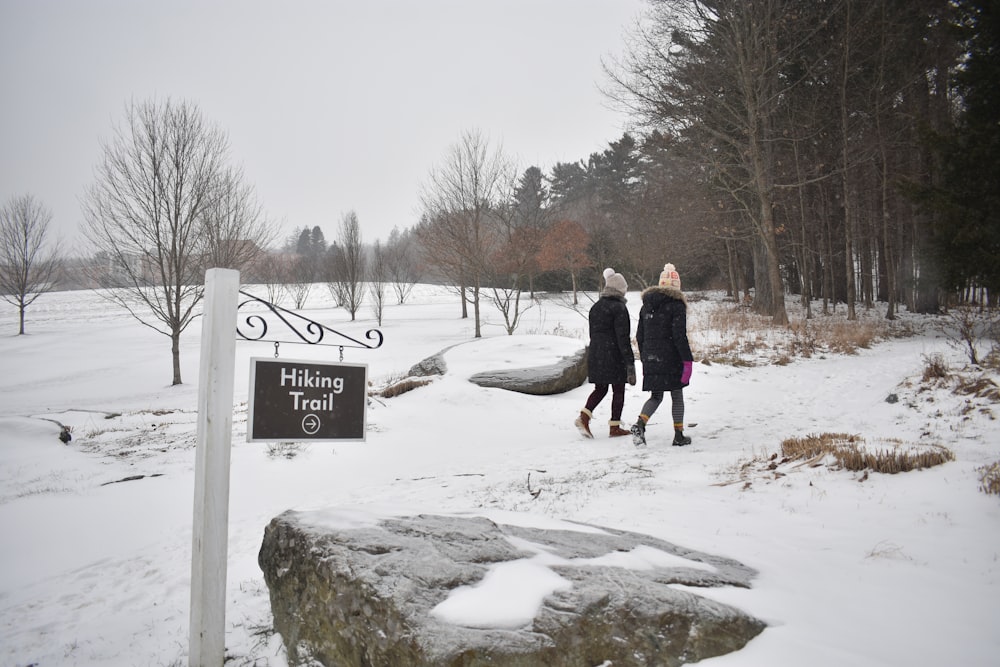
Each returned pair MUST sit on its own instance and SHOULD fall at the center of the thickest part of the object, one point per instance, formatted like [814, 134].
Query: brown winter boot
[617, 430]
[582, 423]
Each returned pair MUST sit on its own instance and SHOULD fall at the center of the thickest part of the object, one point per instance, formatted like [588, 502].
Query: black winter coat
[662, 338]
[610, 351]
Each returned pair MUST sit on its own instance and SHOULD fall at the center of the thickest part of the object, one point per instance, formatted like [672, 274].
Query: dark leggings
[617, 399]
[676, 409]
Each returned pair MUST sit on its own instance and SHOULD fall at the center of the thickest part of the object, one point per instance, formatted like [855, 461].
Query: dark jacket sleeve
[640, 330]
[623, 327]
[679, 334]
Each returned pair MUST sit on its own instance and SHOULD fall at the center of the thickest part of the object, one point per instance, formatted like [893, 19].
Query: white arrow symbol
[310, 424]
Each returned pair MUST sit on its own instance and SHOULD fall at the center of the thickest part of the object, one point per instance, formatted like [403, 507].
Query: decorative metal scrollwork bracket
[309, 332]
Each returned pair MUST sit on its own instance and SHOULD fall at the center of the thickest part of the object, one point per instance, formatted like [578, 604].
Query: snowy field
[861, 570]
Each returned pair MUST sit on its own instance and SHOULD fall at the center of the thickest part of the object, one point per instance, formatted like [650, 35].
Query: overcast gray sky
[329, 105]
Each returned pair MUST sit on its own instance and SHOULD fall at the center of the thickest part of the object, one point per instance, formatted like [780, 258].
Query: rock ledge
[351, 589]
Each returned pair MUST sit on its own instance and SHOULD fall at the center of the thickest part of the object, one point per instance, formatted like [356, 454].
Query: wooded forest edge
[839, 152]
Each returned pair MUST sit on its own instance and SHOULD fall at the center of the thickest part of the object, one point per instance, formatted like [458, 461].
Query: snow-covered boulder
[567, 373]
[356, 589]
[532, 364]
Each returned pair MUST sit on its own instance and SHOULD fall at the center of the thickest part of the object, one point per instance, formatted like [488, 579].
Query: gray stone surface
[433, 365]
[363, 594]
[566, 374]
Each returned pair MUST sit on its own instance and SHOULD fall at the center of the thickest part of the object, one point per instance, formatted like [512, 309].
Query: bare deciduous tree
[507, 280]
[347, 265]
[161, 188]
[564, 248]
[401, 263]
[274, 272]
[300, 270]
[512, 265]
[378, 273]
[27, 267]
[460, 198]
[236, 228]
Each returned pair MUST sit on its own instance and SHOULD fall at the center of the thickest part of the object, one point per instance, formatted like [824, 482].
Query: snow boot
[639, 432]
[616, 430]
[582, 423]
[680, 439]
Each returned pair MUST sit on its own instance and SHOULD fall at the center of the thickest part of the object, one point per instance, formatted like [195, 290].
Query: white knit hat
[615, 281]
[670, 277]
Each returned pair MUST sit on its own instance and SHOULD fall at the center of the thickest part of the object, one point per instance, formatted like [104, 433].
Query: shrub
[967, 326]
[989, 478]
[935, 368]
[992, 359]
[284, 450]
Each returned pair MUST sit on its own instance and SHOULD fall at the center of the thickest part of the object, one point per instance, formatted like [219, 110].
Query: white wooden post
[211, 473]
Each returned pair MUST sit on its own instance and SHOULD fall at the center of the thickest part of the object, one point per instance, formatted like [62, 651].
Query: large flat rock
[353, 589]
[532, 364]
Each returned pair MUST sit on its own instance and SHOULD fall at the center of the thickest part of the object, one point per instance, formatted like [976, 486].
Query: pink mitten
[686, 373]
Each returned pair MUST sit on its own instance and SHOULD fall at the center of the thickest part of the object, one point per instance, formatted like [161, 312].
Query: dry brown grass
[727, 318]
[849, 337]
[814, 445]
[989, 478]
[402, 386]
[851, 453]
[730, 334]
[980, 387]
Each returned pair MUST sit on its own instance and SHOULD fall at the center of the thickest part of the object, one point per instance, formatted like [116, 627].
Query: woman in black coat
[610, 360]
[664, 351]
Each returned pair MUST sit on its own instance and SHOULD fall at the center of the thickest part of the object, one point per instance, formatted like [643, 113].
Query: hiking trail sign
[289, 401]
[298, 400]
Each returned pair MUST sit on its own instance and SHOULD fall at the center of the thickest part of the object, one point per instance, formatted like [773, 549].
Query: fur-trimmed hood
[671, 292]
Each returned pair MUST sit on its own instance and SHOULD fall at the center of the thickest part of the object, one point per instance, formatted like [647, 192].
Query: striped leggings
[676, 408]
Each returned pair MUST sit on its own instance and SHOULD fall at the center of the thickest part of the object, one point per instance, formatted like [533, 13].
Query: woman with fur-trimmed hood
[664, 352]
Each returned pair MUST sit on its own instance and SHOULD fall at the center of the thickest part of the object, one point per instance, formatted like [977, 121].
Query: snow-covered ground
[861, 570]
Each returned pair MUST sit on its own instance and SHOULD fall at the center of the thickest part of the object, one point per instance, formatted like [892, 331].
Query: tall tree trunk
[475, 308]
[175, 352]
[774, 305]
[804, 271]
[758, 257]
[777, 310]
[734, 287]
[867, 263]
[887, 248]
[828, 293]
[845, 169]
